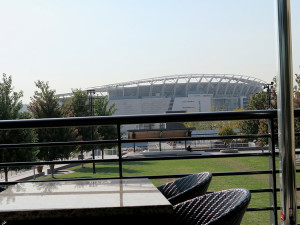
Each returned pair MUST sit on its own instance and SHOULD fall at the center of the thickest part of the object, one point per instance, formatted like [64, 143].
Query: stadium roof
[182, 85]
[218, 85]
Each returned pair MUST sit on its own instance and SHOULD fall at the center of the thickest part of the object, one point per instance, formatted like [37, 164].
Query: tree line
[263, 100]
[45, 104]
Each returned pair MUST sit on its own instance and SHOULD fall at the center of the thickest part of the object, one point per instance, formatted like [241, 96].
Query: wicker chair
[218, 208]
[186, 188]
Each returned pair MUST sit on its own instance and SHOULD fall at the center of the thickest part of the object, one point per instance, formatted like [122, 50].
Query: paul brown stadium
[189, 93]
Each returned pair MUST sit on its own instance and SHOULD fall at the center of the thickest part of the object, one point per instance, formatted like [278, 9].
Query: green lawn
[194, 166]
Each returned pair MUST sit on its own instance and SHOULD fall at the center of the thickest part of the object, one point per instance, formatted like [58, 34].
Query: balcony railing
[271, 153]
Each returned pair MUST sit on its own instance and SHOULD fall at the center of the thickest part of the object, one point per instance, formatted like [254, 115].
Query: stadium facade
[178, 93]
[189, 93]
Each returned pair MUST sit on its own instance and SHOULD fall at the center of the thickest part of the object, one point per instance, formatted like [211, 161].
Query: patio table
[88, 199]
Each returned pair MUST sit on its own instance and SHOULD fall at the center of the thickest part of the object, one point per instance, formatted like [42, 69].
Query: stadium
[177, 93]
[188, 93]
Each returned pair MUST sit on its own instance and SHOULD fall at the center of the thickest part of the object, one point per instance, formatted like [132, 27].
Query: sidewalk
[31, 174]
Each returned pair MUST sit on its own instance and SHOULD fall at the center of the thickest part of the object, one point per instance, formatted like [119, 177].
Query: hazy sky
[84, 43]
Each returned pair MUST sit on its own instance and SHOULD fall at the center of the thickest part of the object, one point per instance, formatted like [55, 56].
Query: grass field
[194, 166]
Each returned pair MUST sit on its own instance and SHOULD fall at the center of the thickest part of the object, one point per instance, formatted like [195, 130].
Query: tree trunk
[52, 170]
[6, 174]
[81, 152]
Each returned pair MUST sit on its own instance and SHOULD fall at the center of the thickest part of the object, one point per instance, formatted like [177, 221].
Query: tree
[211, 125]
[297, 105]
[45, 104]
[102, 108]
[204, 125]
[77, 106]
[10, 106]
[227, 130]
[257, 101]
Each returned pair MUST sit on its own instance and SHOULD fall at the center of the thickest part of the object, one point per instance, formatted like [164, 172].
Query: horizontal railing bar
[58, 180]
[16, 164]
[227, 155]
[206, 137]
[100, 142]
[213, 174]
[53, 144]
[256, 172]
[10, 164]
[259, 209]
[266, 190]
[136, 119]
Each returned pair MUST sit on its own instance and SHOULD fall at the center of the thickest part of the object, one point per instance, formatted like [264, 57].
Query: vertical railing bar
[286, 116]
[120, 151]
[272, 166]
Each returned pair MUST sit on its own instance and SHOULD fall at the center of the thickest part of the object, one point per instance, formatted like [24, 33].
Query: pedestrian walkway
[32, 174]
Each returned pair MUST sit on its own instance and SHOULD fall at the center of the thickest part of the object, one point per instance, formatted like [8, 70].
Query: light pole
[91, 104]
[268, 87]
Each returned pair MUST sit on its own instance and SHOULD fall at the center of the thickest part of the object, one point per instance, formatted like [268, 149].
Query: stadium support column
[286, 131]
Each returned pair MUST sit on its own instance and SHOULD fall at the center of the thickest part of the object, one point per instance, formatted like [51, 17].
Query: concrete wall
[193, 103]
[141, 106]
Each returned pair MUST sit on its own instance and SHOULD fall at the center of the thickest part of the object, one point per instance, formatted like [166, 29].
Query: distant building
[189, 93]
[160, 130]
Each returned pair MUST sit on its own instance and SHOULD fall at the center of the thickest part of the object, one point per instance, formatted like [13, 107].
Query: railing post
[120, 151]
[272, 177]
[286, 128]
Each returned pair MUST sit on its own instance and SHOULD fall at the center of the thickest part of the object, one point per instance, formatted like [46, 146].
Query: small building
[162, 130]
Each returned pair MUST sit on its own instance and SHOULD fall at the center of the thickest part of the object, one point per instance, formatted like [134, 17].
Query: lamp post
[268, 87]
[91, 104]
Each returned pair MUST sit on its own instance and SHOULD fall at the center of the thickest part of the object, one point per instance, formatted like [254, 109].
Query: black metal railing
[270, 115]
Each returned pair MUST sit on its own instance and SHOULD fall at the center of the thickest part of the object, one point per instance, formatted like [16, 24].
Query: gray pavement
[31, 174]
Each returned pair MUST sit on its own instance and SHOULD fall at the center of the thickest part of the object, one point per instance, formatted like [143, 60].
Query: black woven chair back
[186, 188]
[218, 208]
[2, 189]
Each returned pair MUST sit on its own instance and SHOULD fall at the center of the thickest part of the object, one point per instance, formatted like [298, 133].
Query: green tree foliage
[10, 106]
[78, 106]
[211, 125]
[225, 131]
[204, 125]
[102, 108]
[45, 104]
[259, 101]
[297, 105]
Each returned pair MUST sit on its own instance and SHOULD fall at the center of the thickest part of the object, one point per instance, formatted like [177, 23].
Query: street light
[91, 104]
[268, 87]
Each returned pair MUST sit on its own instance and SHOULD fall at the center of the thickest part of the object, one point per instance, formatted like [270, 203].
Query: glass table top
[39, 199]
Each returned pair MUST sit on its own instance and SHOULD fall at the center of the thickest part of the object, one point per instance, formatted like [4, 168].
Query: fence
[270, 115]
